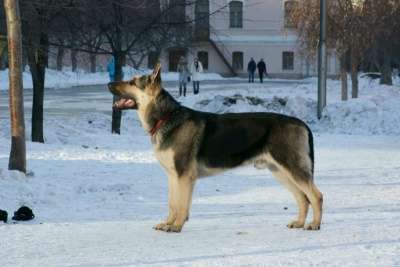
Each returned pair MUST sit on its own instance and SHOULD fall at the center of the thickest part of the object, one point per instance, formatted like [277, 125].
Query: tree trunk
[386, 77]
[37, 57]
[116, 113]
[74, 60]
[354, 75]
[60, 58]
[92, 58]
[17, 159]
[343, 77]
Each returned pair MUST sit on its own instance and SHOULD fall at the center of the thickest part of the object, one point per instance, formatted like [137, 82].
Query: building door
[237, 60]
[174, 56]
[203, 58]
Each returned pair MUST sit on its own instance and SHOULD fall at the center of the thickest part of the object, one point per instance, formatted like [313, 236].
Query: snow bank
[374, 112]
[68, 78]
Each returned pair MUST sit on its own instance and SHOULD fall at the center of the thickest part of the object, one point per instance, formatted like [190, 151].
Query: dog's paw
[295, 224]
[312, 226]
[161, 227]
[168, 227]
[174, 228]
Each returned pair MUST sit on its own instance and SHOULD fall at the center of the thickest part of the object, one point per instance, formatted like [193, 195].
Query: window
[203, 58]
[176, 13]
[202, 20]
[290, 7]
[236, 14]
[287, 60]
[237, 60]
[152, 59]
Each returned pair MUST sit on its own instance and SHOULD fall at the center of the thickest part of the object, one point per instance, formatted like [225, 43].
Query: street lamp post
[322, 60]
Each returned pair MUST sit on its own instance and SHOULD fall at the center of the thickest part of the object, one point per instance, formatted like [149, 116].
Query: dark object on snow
[23, 214]
[3, 216]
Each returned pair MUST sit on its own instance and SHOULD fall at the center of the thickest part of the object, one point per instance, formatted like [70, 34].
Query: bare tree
[345, 35]
[60, 57]
[18, 150]
[382, 18]
[124, 29]
[38, 17]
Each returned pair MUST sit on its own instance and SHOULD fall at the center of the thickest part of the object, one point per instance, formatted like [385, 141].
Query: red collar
[159, 123]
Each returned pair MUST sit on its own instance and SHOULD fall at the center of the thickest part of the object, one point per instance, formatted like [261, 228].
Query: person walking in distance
[111, 69]
[196, 69]
[251, 69]
[262, 69]
[184, 76]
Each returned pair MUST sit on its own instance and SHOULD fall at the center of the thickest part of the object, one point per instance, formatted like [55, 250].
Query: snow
[375, 112]
[68, 78]
[96, 195]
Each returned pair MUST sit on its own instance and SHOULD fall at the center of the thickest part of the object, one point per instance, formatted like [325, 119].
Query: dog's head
[138, 92]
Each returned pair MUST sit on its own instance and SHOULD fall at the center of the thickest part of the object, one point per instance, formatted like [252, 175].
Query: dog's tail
[311, 148]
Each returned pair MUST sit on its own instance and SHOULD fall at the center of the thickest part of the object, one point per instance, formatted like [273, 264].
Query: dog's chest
[166, 159]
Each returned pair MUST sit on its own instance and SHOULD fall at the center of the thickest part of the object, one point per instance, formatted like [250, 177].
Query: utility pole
[322, 60]
[18, 151]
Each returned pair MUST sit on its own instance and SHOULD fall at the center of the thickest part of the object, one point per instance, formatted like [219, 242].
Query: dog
[190, 144]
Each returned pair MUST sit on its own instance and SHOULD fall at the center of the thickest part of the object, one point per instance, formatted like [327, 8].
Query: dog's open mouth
[125, 103]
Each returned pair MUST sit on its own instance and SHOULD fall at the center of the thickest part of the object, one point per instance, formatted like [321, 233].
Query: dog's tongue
[124, 103]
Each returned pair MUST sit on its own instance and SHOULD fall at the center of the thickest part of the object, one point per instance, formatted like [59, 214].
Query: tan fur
[304, 191]
[166, 159]
[180, 190]
[179, 201]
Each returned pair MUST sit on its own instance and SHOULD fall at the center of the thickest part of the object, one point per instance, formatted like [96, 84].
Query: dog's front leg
[172, 210]
[184, 201]
[181, 189]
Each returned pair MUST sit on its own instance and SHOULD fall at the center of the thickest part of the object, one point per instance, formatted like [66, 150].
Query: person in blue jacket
[111, 69]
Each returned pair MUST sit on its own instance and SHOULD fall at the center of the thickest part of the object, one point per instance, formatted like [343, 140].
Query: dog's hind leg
[301, 175]
[283, 176]
[302, 203]
[316, 199]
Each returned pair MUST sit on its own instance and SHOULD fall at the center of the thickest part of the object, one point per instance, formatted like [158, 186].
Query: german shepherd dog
[190, 144]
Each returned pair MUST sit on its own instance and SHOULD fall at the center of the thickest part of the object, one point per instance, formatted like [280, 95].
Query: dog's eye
[131, 83]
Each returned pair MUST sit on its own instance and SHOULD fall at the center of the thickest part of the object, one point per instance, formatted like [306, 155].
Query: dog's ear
[156, 75]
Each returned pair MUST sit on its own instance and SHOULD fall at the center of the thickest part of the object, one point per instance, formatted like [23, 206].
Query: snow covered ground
[96, 196]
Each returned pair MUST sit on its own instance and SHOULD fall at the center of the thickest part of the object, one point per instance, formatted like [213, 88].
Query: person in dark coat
[251, 69]
[262, 69]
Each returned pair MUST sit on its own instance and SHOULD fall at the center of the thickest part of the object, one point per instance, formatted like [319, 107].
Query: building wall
[263, 35]
[259, 17]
